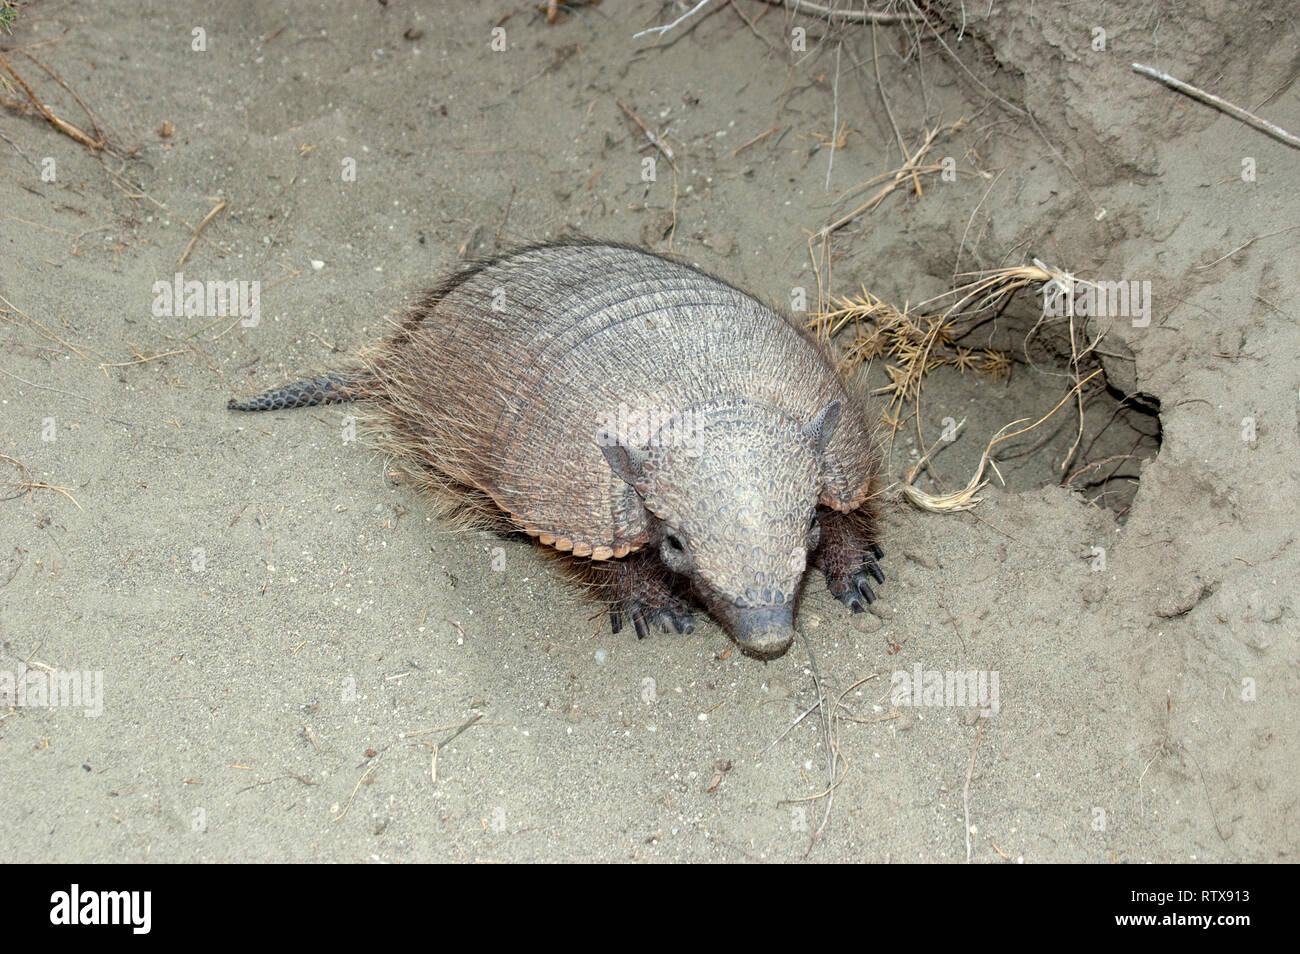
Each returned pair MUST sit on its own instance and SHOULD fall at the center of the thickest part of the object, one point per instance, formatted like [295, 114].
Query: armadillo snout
[763, 630]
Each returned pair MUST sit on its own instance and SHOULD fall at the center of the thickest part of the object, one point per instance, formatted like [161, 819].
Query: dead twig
[221, 204]
[356, 788]
[1100, 463]
[1078, 391]
[847, 16]
[136, 192]
[62, 125]
[965, 791]
[880, 88]
[661, 30]
[757, 139]
[835, 116]
[99, 133]
[46, 387]
[908, 173]
[142, 359]
[654, 140]
[830, 718]
[26, 485]
[469, 722]
[42, 330]
[1243, 247]
[1236, 112]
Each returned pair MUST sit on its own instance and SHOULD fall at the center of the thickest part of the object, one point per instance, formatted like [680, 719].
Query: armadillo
[668, 435]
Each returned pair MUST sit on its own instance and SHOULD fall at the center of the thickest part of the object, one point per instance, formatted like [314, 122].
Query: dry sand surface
[286, 642]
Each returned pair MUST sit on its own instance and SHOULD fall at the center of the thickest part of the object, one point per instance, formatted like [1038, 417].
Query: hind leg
[848, 556]
[642, 592]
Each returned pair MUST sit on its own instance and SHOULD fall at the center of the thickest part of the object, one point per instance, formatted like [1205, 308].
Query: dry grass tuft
[915, 340]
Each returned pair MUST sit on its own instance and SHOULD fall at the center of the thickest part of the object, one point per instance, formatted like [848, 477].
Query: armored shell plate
[511, 372]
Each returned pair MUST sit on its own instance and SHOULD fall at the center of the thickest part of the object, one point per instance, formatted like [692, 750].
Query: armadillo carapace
[669, 434]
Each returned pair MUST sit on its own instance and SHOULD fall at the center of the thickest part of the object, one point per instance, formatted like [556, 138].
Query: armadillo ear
[625, 461]
[820, 429]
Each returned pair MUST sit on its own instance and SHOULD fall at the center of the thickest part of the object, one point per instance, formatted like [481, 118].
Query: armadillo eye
[674, 541]
[813, 522]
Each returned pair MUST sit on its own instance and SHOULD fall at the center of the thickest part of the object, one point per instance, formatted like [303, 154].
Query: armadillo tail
[327, 389]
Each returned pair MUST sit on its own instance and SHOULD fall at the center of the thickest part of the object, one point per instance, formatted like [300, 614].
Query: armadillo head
[733, 487]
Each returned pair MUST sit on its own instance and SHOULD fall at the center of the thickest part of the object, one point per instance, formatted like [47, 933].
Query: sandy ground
[282, 633]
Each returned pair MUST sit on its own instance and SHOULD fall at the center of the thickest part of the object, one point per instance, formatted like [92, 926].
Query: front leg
[848, 555]
[642, 591]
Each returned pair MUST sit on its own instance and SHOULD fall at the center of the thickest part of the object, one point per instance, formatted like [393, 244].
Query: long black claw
[876, 551]
[864, 587]
[853, 595]
[671, 621]
[665, 618]
[874, 570]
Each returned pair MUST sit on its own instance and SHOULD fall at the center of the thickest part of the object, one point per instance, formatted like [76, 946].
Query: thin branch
[835, 117]
[661, 30]
[965, 792]
[61, 125]
[221, 204]
[1250, 119]
[847, 16]
[654, 140]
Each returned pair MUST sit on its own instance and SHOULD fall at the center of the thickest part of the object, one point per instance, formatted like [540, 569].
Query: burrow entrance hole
[1102, 463]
